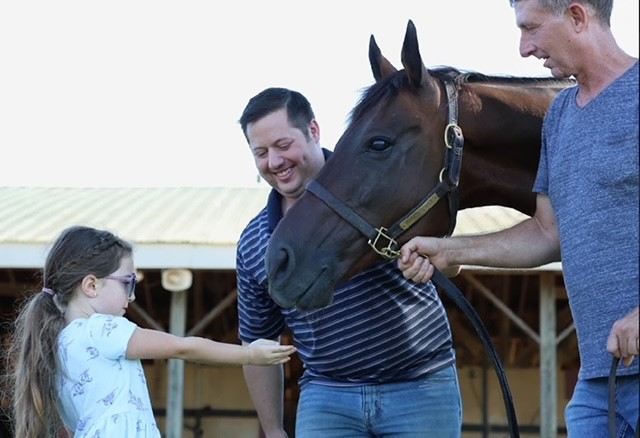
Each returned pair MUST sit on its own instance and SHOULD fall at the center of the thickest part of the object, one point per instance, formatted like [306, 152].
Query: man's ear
[314, 130]
[579, 16]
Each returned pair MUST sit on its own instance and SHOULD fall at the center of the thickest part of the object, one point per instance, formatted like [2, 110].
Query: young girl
[76, 359]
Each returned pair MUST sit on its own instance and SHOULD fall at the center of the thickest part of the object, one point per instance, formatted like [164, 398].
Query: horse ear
[412, 61]
[380, 66]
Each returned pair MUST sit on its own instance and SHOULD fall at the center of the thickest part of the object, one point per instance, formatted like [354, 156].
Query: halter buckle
[387, 252]
[453, 135]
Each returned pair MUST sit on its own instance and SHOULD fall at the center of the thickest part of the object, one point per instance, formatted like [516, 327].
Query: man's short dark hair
[298, 108]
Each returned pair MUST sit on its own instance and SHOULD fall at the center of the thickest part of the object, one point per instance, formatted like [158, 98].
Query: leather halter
[383, 240]
[448, 185]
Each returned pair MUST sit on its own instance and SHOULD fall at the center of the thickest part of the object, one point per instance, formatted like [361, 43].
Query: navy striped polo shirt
[380, 327]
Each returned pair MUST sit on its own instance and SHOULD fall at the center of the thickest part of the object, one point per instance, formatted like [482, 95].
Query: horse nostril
[278, 262]
[282, 260]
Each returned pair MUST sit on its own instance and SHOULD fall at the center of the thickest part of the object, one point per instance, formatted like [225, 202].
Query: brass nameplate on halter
[420, 211]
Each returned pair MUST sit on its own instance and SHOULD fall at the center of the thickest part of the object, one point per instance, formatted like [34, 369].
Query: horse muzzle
[306, 284]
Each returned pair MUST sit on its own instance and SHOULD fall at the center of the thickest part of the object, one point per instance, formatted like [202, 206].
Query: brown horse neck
[502, 127]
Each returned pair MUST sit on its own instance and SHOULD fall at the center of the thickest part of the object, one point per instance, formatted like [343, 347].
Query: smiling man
[379, 358]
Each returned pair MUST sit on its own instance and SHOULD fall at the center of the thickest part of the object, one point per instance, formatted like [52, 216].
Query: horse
[406, 133]
[400, 155]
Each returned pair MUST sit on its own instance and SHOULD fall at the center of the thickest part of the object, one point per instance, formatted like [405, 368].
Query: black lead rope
[454, 293]
[390, 252]
[383, 240]
[612, 398]
[612, 401]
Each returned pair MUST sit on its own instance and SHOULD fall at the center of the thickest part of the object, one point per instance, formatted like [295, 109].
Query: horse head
[384, 171]
[379, 168]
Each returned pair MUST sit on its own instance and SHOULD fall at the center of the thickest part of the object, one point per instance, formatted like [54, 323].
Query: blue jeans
[586, 413]
[428, 407]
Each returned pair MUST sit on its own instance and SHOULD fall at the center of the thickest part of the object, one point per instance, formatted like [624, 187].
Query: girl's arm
[154, 344]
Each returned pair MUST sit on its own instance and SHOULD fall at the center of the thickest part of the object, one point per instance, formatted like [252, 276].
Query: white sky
[148, 93]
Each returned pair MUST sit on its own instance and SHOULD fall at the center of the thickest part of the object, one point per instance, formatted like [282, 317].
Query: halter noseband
[383, 240]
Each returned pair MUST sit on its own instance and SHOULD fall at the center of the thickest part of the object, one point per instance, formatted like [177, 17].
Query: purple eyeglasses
[129, 281]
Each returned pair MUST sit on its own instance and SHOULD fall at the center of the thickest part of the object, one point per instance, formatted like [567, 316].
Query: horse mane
[389, 86]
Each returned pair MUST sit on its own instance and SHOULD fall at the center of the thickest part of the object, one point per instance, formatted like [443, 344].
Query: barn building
[185, 242]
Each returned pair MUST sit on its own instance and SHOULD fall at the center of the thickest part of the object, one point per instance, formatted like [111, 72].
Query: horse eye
[379, 144]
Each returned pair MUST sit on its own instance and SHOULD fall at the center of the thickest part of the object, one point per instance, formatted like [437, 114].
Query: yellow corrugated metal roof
[201, 216]
[486, 219]
[171, 227]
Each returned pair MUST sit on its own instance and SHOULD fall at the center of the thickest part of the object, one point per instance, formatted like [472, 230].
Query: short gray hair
[602, 8]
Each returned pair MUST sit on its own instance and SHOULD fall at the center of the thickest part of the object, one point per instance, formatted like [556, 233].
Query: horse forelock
[383, 90]
[388, 87]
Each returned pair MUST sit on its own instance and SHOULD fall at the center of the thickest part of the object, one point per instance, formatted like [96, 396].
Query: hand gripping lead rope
[611, 413]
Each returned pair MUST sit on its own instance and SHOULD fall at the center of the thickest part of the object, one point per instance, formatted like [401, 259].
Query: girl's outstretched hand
[267, 352]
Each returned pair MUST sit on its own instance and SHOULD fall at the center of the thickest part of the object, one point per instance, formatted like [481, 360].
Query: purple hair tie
[46, 290]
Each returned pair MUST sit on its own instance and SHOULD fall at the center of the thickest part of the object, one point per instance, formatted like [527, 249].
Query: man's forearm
[266, 387]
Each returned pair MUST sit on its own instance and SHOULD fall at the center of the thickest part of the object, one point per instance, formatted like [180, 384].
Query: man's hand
[624, 340]
[420, 256]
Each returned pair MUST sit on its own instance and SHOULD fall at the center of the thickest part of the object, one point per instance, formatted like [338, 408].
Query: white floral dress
[102, 394]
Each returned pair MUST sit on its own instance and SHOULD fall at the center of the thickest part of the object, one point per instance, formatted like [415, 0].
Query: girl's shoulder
[102, 318]
[98, 320]
[101, 325]
[110, 323]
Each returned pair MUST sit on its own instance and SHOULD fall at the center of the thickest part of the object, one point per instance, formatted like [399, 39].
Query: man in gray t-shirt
[587, 204]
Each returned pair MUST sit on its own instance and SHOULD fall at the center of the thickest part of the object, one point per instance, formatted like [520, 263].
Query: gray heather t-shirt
[589, 170]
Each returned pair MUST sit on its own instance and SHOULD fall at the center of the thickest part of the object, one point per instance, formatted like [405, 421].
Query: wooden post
[548, 361]
[176, 281]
